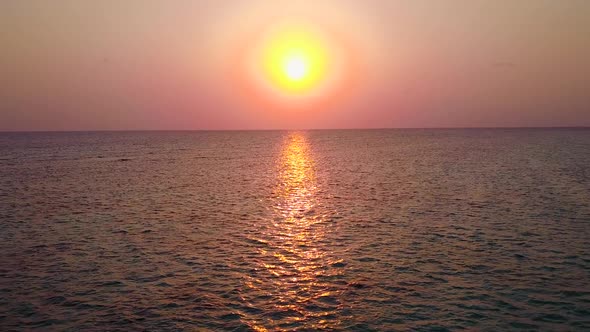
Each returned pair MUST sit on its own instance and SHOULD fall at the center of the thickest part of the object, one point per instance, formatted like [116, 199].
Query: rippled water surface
[429, 230]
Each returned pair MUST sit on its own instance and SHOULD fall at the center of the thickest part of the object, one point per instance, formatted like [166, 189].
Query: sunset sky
[210, 64]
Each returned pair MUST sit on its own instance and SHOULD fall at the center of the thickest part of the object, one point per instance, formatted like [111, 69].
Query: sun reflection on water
[295, 271]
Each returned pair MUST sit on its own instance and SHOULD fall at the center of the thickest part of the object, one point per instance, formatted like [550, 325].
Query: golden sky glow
[277, 64]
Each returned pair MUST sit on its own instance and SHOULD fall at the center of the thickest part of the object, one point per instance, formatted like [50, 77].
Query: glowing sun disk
[295, 64]
[296, 67]
[294, 60]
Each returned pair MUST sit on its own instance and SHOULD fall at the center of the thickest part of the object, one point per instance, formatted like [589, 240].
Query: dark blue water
[429, 230]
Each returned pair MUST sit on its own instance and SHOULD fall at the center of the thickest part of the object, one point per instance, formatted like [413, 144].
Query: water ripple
[322, 230]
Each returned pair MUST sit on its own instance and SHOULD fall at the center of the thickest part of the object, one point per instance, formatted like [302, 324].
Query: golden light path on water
[296, 272]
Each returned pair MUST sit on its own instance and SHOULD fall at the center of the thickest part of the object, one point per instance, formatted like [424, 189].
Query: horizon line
[291, 129]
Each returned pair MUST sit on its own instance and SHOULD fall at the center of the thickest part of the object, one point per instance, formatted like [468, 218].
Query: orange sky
[138, 64]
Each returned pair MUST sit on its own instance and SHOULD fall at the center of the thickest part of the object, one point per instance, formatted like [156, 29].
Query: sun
[294, 64]
[294, 60]
[296, 67]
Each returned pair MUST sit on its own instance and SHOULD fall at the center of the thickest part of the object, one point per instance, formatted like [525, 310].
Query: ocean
[367, 230]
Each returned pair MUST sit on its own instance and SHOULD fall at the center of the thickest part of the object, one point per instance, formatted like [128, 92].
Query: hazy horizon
[290, 129]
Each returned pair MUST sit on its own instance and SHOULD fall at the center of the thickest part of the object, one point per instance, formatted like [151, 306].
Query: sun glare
[295, 63]
[295, 67]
